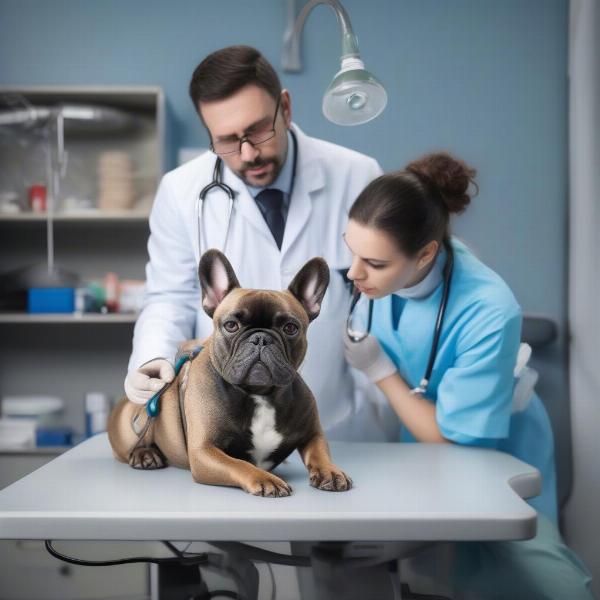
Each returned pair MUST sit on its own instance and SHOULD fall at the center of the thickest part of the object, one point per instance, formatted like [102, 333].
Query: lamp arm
[291, 50]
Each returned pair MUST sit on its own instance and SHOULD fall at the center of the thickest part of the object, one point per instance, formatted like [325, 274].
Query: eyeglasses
[256, 137]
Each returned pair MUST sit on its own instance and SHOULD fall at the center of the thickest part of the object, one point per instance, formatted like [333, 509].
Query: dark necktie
[270, 203]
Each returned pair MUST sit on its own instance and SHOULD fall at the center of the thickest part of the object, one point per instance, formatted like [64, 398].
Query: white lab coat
[328, 180]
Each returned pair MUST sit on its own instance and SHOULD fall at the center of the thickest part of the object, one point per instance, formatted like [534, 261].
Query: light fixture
[354, 96]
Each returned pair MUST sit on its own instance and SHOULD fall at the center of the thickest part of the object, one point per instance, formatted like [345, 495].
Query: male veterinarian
[270, 197]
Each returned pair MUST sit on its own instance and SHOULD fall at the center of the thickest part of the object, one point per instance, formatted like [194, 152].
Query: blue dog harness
[153, 406]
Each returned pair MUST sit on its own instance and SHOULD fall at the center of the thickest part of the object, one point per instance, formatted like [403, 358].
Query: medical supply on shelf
[30, 421]
[37, 198]
[115, 181]
[33, 421]
[9, 203]
[131, 296]
[51, 300]
[53, 436]
[17, 434]
[45, 411]
[111, 289]
[97, 409]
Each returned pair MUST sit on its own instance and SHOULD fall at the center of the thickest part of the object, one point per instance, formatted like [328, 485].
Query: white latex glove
[142, 384]
[526, 379]
[369, 357]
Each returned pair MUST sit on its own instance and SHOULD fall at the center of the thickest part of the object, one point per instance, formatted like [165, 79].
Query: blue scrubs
[472, 381]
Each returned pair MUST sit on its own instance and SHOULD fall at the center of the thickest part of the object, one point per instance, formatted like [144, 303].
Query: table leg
[173, 581]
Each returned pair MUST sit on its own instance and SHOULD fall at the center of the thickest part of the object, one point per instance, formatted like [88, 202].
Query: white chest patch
[265, 438]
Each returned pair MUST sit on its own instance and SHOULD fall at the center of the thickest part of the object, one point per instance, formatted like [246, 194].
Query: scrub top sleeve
[474, 397]
[172, 291]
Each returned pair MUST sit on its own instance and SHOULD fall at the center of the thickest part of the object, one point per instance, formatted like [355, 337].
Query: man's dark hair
[226, 71]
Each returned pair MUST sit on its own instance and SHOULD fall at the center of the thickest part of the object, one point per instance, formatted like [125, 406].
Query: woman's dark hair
[413, 206]
[226, 71]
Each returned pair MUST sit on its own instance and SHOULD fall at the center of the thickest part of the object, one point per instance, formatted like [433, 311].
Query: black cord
[216, 594]
[253, 553]
[180, 558]
[191, 559]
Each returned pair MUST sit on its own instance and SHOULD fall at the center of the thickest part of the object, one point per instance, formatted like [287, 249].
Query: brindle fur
[218, 415]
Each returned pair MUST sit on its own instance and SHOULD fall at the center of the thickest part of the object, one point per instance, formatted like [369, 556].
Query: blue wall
[486, 79]
[483, 78]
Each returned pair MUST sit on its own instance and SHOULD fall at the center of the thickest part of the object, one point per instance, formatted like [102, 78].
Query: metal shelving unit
[75, 217]
[68, 355]
[63, 354]
[67, 318]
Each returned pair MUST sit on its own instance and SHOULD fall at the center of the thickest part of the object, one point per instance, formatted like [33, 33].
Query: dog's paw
[147, 458]
[330, 479]
[269, 486]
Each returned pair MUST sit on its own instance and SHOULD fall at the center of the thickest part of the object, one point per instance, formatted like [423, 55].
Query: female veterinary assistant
[398, 234]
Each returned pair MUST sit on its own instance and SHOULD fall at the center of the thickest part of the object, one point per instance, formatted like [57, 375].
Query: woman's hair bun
[450, 177]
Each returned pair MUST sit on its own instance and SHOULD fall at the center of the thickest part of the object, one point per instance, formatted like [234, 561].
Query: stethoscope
[217, 182]
[357, 337]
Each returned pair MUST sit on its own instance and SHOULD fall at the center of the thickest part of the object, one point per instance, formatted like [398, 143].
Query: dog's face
[259, 337]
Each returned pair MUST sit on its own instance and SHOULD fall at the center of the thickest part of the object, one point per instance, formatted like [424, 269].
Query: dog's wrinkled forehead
[258, 308]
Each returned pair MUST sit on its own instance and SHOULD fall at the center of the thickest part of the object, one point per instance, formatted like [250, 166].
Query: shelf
[75, 217]
[7, 318]
[37, 450]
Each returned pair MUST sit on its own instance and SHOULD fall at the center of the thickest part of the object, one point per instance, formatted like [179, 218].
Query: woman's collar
[431, 281]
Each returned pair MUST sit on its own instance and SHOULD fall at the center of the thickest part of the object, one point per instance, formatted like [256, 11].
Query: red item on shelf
[111, 288]
[37, 198]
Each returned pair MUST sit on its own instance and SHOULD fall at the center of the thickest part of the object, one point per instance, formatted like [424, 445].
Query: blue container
[51, 300]
[54, 436]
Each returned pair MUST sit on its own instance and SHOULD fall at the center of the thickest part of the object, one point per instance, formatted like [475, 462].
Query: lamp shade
[354, 96]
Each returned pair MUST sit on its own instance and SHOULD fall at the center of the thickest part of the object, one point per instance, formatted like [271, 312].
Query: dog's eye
[231, 326]
[290, 329]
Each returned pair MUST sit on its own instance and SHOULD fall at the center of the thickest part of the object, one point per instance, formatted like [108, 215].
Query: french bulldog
[239, 407]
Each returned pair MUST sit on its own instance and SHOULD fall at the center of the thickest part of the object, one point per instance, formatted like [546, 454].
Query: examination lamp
[354, 96]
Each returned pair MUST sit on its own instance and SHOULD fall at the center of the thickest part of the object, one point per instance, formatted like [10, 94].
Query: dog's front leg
[323, 474]
[212, 466]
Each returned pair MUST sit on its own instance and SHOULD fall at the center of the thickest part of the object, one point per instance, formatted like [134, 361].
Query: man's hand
[142, 384]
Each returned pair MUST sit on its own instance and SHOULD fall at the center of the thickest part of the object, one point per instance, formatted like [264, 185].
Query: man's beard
[277, 166]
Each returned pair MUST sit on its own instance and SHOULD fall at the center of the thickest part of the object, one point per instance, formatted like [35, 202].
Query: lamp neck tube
[349, 39]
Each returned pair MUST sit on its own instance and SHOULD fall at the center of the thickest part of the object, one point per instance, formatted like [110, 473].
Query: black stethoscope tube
[217, 182]
[448, 268]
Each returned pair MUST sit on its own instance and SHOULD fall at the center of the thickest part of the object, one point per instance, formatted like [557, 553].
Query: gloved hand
[143, 383]
[369, 357]
[526, 378]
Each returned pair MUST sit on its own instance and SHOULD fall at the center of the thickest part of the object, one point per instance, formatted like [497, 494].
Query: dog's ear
[217, 279]
[309, 286]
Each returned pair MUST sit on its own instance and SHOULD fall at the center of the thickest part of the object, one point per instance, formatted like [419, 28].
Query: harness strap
[181, 393]
[153, 407]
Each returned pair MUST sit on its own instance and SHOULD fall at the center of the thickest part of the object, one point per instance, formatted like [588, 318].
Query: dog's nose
[261, 338]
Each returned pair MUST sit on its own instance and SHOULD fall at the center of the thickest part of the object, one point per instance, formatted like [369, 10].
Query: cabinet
[27, 571]
[65, 355]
